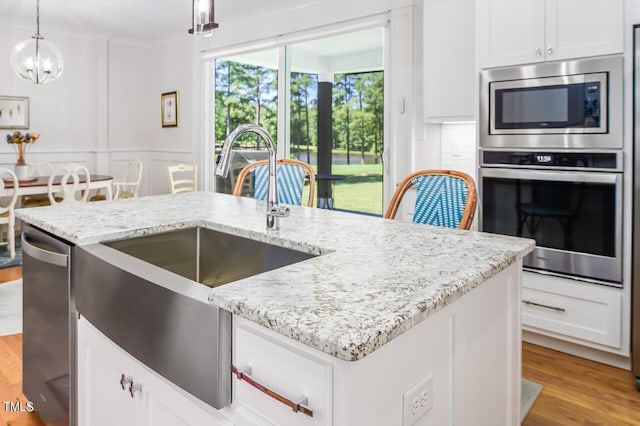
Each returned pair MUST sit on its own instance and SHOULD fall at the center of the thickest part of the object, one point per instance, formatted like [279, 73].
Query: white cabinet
[282, 368]
[467, 353]
[449, 60]
[154, 401]
[512, 32]
[574, 311]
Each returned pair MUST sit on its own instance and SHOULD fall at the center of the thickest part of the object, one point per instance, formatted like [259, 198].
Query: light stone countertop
[374, 278]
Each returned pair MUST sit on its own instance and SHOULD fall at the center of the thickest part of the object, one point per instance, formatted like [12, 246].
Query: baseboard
[614, 360]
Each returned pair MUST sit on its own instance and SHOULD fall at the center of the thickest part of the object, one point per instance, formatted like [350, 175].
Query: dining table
[40, 185]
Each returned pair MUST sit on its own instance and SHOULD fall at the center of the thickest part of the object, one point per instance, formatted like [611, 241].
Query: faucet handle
[279, 211]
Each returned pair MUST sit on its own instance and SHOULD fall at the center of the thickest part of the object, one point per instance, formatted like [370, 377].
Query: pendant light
[202, 18]
[35, 58]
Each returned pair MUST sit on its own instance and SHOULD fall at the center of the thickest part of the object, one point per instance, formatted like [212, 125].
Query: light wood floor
[576, 391]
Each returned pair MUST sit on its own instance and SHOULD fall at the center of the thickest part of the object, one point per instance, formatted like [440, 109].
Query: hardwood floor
[576, 391]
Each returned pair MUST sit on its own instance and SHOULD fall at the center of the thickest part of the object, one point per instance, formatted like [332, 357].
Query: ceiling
[139, 20]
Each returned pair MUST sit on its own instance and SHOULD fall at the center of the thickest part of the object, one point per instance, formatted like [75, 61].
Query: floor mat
[11, 308]
[530, 392]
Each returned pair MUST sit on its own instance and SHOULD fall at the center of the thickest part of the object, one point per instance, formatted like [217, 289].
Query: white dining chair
[130, 184]
[36, 170]
[70, 190]
[39, 169]
[7, 205]
[183, 178]
[128, 187]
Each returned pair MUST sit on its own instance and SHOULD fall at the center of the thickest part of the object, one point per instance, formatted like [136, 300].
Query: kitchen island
[387, 316]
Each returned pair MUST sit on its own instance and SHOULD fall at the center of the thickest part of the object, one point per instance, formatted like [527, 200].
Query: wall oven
[569, 202]
[562, 105]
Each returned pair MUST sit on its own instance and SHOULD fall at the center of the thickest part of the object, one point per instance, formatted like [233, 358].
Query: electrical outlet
[417, 401]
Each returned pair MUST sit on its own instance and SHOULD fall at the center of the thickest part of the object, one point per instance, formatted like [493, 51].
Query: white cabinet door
[168, 405]
[283, 369]
[101, 399]
[103, 402]
[583, 313]
[513, 32]
[510, 32]
[578, 28]
[449, 60]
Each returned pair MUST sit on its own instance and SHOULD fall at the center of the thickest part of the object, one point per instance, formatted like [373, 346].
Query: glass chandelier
[35, 58]
[202, 18]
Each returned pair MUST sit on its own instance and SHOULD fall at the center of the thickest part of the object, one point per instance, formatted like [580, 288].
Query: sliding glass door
[333, 115]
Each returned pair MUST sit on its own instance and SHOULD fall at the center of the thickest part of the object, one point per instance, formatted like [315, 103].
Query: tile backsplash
[458, 148]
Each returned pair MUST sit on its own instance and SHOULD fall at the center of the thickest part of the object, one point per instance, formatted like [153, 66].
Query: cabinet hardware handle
[555, 308]
[133, 388]
[125, 380]
[550, 50]
[298, 405]
[538, 52]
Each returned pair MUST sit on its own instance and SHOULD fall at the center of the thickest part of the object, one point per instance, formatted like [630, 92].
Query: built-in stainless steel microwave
[570, 104]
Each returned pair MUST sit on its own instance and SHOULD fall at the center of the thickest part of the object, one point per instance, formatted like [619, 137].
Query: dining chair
[291, 176]
[7, 205]
[39, 169]
[443, 198]
[128, 186]
[183, 178]
[70, 188]
[36, 170]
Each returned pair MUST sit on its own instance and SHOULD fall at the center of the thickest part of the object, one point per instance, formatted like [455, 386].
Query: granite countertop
[374, 278]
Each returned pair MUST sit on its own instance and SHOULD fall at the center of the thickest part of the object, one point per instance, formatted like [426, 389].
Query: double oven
[551, 165]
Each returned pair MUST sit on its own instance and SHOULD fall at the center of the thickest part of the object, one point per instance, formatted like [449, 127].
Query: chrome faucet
[274, 210]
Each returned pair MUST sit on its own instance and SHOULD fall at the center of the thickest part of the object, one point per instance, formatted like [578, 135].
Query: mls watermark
[18, 406]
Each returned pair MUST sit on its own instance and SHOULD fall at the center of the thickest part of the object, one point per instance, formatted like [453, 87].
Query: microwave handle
[556, 176]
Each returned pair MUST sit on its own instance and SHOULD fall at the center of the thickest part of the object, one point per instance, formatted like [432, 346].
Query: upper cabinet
[449, 60]
[512, 32]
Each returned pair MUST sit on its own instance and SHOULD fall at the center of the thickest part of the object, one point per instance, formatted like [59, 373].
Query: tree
[304, 110]
[244, 93]
[374, 95]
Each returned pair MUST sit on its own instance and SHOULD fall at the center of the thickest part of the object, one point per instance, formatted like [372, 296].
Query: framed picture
[169, 105]
[14, 112]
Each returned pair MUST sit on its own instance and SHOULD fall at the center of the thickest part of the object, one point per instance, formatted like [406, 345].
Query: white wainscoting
[154, 172]
[56, 158]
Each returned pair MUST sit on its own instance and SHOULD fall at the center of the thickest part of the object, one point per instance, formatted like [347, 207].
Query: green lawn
[361, 191]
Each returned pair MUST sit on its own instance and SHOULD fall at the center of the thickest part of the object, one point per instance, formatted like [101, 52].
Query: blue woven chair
[443, 198]
[291, 176]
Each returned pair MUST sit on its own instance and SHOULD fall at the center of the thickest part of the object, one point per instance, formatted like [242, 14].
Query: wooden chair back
[443, 198]
[129, 186]
[183, 178]
[291, 177]
[40, 169]
[7, 206]
[70, 188]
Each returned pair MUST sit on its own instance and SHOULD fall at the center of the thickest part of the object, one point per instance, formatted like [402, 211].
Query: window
[334, 119]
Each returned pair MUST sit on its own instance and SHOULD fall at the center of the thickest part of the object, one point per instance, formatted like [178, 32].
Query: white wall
[64, 112]
[171, 68]
[105, 108]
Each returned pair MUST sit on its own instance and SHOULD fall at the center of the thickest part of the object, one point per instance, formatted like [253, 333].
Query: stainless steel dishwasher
[49, 326]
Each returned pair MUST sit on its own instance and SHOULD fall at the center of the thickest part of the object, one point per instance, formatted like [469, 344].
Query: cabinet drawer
[284, 370]
[572, 309]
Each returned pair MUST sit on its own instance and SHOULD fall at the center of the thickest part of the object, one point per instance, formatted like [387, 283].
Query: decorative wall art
[169, 106]
[14, 112]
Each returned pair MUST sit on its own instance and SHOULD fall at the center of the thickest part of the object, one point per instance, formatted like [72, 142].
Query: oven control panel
[609, 161]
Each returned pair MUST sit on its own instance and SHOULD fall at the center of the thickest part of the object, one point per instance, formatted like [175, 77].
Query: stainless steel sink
[209, 257]
[144, 294]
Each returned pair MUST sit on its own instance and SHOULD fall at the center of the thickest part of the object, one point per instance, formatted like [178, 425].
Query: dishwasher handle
[46, 256]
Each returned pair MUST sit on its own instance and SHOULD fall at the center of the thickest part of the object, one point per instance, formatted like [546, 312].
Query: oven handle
[593, 177]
